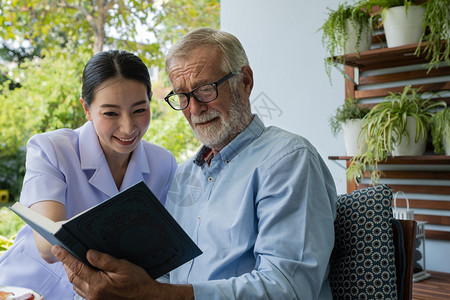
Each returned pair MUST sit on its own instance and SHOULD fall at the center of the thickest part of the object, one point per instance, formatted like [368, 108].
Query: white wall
[285, 51]
[291, 88]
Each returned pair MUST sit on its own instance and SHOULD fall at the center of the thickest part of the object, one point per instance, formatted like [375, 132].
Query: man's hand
[115, 279]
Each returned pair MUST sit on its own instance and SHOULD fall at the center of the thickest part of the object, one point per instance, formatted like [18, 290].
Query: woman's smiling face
[120, 113]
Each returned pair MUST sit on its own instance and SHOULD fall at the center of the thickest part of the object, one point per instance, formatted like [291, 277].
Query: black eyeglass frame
[191, 93]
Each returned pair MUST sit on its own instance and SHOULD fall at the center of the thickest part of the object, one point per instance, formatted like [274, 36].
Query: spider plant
[384, 127]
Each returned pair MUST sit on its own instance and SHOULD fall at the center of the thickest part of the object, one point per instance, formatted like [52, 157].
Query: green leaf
[385, 126]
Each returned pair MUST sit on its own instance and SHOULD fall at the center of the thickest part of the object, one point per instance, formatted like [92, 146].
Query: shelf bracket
[356, 74]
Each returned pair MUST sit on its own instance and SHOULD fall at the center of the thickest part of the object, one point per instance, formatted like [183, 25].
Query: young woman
[68, 171]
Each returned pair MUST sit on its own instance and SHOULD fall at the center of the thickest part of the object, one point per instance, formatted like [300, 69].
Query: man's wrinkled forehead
[202, 64]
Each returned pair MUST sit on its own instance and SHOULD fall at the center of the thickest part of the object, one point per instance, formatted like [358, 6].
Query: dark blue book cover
[132, 225]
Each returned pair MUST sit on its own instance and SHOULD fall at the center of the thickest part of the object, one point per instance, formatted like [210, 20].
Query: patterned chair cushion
[362, 265]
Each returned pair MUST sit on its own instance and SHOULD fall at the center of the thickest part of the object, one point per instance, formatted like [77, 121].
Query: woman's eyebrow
[106, 105]
[140, 103]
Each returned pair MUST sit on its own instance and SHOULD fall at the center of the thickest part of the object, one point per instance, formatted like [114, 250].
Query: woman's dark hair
[110, 64]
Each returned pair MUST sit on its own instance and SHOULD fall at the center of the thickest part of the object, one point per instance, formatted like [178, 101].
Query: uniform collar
[93, 162]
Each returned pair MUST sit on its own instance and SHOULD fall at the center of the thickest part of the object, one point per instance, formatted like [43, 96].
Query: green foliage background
[47, 99]
[44, 45]
[9, 225]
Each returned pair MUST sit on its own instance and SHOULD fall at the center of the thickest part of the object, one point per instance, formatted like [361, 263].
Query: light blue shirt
[69, 166]
[262, 213]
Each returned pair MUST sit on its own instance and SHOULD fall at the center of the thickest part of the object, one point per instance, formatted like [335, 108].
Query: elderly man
[259, 201]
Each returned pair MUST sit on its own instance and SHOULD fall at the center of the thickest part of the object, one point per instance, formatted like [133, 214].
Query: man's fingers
[75, 269]
[61, 253]
[100, 260]
[105, 262]
[69, 261]
[114, 277]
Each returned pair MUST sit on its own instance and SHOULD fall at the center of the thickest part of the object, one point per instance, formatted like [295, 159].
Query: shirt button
[227, 162]
[198, 218]
[210, 179]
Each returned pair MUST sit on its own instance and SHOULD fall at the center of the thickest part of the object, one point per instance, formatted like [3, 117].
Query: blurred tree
[178, 17]
[16, 55]
[47, 99]
[71, 23]
[40, 87]
[115, 23]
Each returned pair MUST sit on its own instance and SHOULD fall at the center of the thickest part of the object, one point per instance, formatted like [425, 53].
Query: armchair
[372, 257]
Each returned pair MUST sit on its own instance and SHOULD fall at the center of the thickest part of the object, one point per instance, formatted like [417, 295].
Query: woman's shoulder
[58, 136]
[65, 134]
[153, 150]
[60, 142]
[58, 147]
[160, 160]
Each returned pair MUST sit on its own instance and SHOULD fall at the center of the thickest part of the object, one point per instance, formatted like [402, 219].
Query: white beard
[218, 135]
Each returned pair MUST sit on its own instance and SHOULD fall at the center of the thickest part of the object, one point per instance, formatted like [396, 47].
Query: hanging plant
[436, 33]
[440, 130]
[335, 33]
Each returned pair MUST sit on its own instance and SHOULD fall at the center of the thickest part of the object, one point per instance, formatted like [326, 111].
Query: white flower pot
[410, 147]
[352, 32]
[353, 144]
[446, 141]
[403, 27]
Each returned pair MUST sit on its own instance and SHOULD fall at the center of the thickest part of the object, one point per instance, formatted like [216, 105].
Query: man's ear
[247, 79]
[86, 109]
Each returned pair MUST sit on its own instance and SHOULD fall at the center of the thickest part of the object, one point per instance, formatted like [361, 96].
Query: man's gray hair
[234, 56]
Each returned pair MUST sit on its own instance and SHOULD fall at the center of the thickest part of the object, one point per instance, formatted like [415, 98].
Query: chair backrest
[363, 263]
[409, 232]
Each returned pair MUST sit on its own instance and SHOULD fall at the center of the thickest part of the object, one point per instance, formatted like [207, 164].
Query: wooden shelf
[385, 57]
[426, 180]
[404, 160]
[418, 188]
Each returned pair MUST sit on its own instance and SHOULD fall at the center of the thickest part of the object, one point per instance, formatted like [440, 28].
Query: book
[131, 225]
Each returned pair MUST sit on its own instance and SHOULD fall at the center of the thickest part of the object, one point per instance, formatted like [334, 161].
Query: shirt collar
[251, 133]
[93, 158]
[91, 153]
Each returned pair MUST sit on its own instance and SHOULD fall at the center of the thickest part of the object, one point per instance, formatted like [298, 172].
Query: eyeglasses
[204, 94]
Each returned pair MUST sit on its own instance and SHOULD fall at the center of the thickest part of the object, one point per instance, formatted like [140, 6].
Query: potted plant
[348, 29]
[440, 131]
[400, 123]
[402, 20]
[348, 118]
[437, 32]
